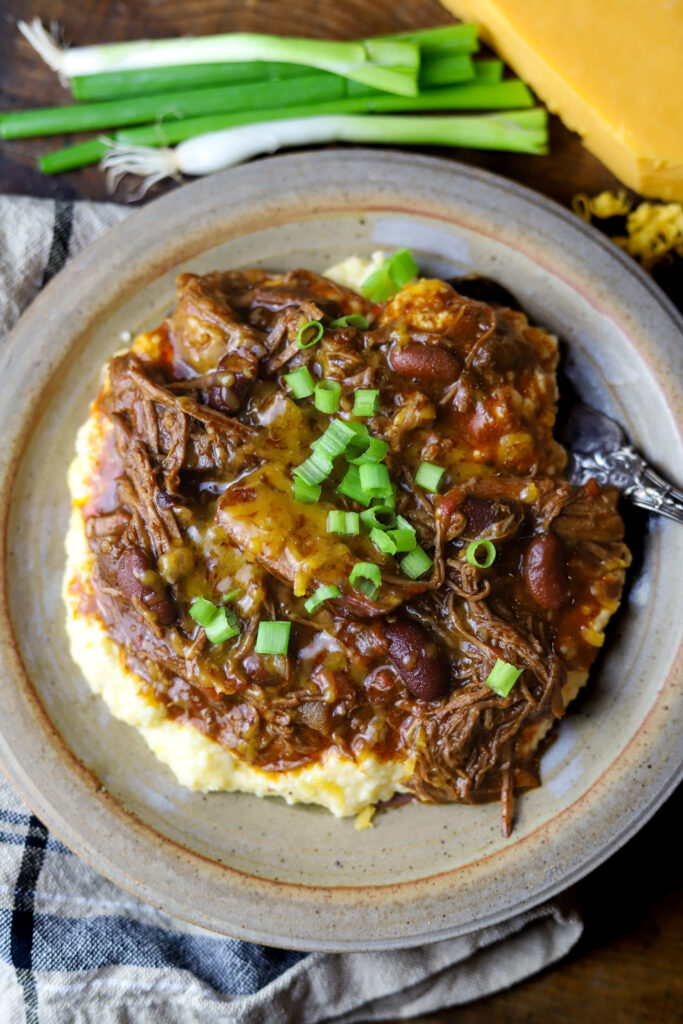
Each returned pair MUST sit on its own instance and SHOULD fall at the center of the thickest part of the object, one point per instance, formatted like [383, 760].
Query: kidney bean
[545, 572]
[481, 513]
[417, 660]
[133, 566]
[430, 362]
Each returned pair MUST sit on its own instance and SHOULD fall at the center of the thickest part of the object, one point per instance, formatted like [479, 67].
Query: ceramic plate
[295, 876]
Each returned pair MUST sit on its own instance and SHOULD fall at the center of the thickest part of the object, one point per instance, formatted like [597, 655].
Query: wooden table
[625, 970]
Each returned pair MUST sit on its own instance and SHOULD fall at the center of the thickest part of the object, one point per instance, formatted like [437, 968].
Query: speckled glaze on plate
[295, 876]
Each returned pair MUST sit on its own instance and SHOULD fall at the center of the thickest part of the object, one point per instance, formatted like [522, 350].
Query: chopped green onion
[317, 330]
[503, 677]
[327, 395]
[371, 449]
[317, 599]
[352, 320]
[387, 499]
[301, 382]
[365, 402]
[316, 468]
[350, 486]
[404, 539]
[429, 476]
[381, 517]
[346, 523]
[416, 563]
[366, 577]
[202, 611]
[335, 440]
[374, 479]
[273, 637]
[231, 596]
[382, 541]
[390, 277]
[489, 553]
[219, 623]
[307, 494]
[223, 626]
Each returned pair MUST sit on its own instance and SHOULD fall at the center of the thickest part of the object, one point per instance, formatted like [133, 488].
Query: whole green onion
[301, 382]
[318, 598]
[327, 396]
[344, 523]
[489, 553]
[313, 328]
[386, 64]
[429, 476]
[273, 637]
[503, 677]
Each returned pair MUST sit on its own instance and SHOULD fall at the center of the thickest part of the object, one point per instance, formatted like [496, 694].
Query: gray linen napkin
[75, 949]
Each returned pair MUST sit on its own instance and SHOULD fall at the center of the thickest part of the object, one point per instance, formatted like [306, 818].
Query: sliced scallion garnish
[301, 382]
[327, 396]
[202, 611]
[313, 329]
[219, 624]
[503, 677]
[350, 486]
[380, 517]
[473, 553]
[344, 523]
[404, 539]
[273, 637]
[374, 479]
[366, 402]
[352, 320]
[429, 476]
[335, 440]
[224, 626]
[316, 468]
[397, 270]
[382, 541]
[372, 449]
[416, 563]
[308, 494]
[366, 577]
[318, 598]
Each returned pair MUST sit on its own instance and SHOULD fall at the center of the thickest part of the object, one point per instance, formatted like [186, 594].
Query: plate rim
[31, 705]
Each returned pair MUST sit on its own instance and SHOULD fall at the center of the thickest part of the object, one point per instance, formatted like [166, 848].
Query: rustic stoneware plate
[295, 876]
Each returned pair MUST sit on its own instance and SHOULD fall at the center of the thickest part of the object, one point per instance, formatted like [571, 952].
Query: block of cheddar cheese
[611, 69]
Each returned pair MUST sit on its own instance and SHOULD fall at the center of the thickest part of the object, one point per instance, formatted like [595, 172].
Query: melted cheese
[612, 70]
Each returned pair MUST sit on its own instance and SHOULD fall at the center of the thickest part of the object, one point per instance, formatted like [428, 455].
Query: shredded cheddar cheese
[654, 231]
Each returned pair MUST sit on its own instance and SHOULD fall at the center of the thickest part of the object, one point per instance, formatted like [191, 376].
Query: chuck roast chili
[193, 496]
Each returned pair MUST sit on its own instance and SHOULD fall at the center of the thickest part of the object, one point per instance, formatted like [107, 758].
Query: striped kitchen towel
[75, 949]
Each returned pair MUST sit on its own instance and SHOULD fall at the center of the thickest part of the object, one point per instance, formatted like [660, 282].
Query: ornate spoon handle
[636, 479]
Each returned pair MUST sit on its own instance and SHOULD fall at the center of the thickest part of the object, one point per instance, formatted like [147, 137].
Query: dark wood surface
[626, 968]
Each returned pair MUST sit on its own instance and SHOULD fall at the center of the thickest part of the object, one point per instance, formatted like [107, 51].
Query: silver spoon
[599, 448]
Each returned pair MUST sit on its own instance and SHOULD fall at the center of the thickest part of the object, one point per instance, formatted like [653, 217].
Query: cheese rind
[612, 71]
